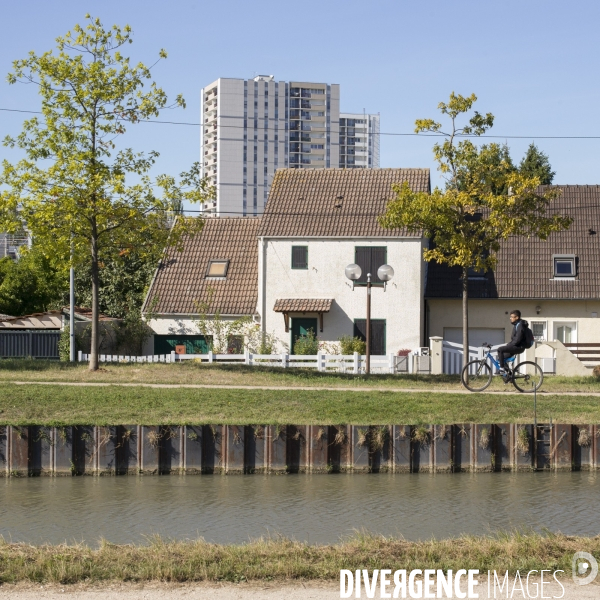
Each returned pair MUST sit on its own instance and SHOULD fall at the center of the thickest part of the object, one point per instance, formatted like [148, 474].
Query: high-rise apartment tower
[359, 141]
[252, 127]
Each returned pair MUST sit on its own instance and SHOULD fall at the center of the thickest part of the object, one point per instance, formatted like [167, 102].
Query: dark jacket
[518, 333]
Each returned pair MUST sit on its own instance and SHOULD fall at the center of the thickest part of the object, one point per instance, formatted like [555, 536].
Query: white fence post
[391, 363]
[437, 354]
[247, 358]
[320, 365]
[173, 359]
[284, 360]
[410, 359]
[211, 356]
[356, 365]
[79, 357]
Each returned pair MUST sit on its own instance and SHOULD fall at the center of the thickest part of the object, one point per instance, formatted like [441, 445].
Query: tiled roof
[302, 305]
[5, 317]
[525, 266]
[335, 202]
[180, 283]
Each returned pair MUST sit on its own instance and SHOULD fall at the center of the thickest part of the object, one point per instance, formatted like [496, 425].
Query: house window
[217, 269]
[369, 259]
[564, 265]
[299, 257]
[539, 330]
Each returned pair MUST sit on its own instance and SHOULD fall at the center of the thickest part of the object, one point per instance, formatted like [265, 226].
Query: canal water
[311, 508]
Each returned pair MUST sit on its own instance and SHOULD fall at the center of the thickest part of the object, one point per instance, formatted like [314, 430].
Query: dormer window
[217, 269]
[564, 265]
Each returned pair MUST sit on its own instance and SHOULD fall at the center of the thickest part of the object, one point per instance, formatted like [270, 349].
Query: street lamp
[384, 273]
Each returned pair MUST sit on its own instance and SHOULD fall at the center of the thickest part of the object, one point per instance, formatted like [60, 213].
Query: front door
[301, 327]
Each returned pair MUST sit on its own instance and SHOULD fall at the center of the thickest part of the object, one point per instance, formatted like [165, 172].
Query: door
[301, 327]
[565, 332]
[377, 334]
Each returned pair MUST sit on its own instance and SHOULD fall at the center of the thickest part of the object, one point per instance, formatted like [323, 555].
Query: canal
[311, 508]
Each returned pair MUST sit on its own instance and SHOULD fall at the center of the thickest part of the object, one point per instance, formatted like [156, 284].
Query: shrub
[64, 344]
[307, 344]
[350, 345]
[403, 352]
[596, 372]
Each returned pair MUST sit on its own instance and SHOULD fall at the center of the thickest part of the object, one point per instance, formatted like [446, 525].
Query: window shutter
[299, 257]
[362, 257]
[378, 258]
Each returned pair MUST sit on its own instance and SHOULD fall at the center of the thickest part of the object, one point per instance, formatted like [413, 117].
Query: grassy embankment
[119, 405]
[283, 559]
[192, 373]
[373, 400]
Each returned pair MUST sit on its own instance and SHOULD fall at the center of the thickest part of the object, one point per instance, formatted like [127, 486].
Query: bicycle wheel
[476, 375]
[527, 377]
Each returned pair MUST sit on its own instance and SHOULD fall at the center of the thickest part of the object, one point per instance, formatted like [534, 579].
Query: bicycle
[476, 375]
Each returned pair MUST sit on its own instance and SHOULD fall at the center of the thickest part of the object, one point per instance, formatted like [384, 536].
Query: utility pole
[368, 336]
[72, 308]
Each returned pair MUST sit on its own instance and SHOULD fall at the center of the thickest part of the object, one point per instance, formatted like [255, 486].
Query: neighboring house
[51, 320]
[216, 270]
[554, 283]
[37, 334]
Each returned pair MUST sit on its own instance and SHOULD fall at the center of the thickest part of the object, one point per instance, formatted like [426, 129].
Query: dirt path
[296, 591]
[295, 387]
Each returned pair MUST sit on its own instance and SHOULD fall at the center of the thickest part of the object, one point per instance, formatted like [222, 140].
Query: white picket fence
[350, 363]
[453, 357]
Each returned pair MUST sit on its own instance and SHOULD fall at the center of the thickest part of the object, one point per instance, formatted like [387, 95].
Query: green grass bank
[190, 372]
[196, 561]
[58, 405]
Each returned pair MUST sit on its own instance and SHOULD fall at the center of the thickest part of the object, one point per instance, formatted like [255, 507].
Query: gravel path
[296, 591]
[295, 387]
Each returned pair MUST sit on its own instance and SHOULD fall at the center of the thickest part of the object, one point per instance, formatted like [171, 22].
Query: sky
[533, 64]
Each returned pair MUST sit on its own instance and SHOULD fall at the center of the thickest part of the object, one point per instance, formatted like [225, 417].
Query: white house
[315, 224]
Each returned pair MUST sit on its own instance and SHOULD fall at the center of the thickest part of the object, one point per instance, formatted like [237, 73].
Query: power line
[386, 133]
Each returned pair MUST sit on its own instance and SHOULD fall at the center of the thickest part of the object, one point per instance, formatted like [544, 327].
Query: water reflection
[313, 508]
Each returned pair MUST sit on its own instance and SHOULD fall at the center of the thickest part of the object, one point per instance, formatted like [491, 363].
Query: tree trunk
[95, 286]
[465, 314]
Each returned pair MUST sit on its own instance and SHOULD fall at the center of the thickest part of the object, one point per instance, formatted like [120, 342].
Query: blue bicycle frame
[494, 361]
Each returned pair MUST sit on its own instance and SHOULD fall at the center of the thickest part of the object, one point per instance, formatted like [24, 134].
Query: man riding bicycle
[517, 341]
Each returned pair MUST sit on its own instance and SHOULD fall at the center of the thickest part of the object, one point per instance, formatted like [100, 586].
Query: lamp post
[384, 273]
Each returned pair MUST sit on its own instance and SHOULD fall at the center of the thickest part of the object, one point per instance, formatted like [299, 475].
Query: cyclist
[516, 344]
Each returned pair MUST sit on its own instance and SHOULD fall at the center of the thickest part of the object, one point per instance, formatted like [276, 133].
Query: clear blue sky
[533, 64]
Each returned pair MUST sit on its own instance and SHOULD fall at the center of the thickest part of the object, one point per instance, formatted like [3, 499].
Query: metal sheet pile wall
[230, 449]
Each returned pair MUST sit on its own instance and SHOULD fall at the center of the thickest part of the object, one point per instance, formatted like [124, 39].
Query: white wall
[401, 305]
[492, 313]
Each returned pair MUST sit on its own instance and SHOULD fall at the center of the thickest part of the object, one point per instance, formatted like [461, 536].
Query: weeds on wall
[522, 440]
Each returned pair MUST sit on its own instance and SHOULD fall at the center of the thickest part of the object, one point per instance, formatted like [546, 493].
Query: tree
[536, 164]
[75, 190]
[485, 200]
[123, 282]
[30, 284]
